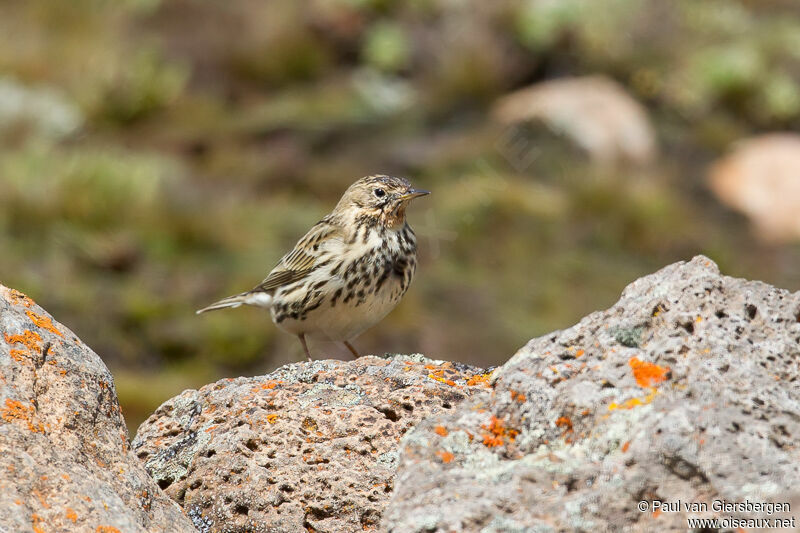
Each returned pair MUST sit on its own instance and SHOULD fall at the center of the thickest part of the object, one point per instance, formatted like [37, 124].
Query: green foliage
[386, 47]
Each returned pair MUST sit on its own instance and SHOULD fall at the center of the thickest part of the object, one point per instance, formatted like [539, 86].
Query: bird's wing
[302, 259]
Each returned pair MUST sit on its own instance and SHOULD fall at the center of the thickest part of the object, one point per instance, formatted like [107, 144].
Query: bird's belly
[347, 317]
[350, 320]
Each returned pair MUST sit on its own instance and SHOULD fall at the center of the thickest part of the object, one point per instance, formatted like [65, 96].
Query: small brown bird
[348, 271]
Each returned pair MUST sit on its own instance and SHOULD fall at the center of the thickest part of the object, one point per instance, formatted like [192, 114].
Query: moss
[630, 337]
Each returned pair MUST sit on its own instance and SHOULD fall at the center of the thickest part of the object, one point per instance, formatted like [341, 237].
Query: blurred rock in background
[761, 178]
[157, 155]
[593, 112]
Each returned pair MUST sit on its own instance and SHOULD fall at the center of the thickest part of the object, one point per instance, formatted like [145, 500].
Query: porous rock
[309, 447]
[64, 455]
[685, 390]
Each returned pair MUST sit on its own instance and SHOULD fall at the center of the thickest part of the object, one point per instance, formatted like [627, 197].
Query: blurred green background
[157, 155]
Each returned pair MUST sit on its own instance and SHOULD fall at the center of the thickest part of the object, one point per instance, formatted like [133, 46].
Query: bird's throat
[395, 218]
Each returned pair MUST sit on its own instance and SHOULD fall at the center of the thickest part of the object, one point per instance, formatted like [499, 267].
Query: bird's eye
[380, 193]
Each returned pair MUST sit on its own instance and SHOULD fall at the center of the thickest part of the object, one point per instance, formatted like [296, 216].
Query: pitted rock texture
[64, 455]
[309, 447]
[686, 389]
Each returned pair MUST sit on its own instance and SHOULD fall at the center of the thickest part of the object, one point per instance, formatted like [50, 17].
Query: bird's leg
[352, 349]
[302, 338]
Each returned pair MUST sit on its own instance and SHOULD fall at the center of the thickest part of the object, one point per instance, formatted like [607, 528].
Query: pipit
[348, 271]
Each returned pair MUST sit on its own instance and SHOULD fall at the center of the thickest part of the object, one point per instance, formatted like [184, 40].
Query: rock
[594, 112]
[64, 452]
[686, 389]
[309, 447]
[761, 179]
[41, 110]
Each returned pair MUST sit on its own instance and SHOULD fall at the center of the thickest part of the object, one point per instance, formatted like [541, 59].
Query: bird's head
[383, 197]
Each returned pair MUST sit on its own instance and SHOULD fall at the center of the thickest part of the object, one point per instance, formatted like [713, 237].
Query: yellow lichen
[442, 379]
[634, 402]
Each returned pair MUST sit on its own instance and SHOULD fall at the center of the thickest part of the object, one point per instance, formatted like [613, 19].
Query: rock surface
[594, 112]
[64, 451]
[686, 389]
[309, 447]
[760, 178]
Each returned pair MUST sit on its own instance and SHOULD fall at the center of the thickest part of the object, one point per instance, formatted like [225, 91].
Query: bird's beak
[414, 193]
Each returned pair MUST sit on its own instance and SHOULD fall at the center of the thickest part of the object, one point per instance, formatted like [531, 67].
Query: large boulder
[761, 178]
[686, 390]
[64, 455]
[309, 447]
[593, 112]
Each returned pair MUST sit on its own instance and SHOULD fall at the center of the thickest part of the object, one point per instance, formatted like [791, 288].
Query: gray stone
[687, 389]
[64, 455]
[309, 447]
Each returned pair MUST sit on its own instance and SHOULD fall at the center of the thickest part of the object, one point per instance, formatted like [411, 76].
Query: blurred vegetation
[155, 156]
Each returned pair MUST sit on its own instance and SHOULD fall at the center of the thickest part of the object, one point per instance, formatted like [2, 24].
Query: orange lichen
[564, 422]
[497, 432]
[430, 367]
[446, 457]
[72, 516]
[16, 410]
[272, 418]
[17, 298]
[441, 430]
[490, 441]
[626, 446]
[517, 396]
[647, 374]
[269, 385]
[106, 529]
[29, 339]
[479, 379]
[40, 497]
[43, 322]
[18, 355]
[36, 520]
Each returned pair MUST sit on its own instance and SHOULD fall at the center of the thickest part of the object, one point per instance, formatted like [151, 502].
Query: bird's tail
[257, 298]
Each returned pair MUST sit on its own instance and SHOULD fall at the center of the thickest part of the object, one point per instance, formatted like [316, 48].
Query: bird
[348, 272]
